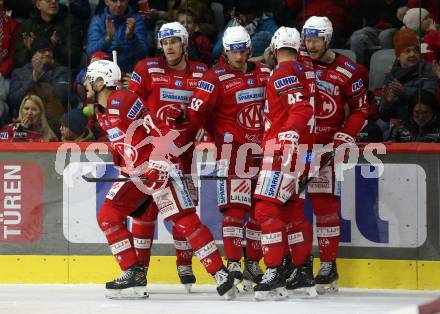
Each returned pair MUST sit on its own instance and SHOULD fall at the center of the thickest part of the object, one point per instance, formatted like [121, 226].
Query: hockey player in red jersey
[289, 129]
[165, 82]
[229, 102]
[133, 135]
[340, 85]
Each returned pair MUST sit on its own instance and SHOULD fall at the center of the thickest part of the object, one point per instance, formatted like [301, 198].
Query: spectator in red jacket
[8, 35]
[199, 46]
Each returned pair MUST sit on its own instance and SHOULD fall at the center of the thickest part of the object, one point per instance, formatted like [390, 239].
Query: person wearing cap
[53, 21]
[74, 127]
[121, 29]
[403, 82]
[44, 77]
[419, 20]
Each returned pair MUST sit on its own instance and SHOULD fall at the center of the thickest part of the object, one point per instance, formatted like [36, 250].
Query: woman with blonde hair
[31, 124]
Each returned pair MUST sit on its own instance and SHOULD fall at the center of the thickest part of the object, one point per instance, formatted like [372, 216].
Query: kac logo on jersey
[357, 85]
[134, 110]
[286, 81]
[178, 83]
[207, 87]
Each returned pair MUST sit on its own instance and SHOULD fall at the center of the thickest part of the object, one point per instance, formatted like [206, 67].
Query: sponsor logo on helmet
[135, 109]
[286, 81]
[238, 46]
[312, 32]
[136, 78]
[250, 94]
[205, 86]
[167, 32]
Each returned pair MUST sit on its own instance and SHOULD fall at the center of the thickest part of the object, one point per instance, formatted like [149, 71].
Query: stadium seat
[379, 64]
[346, 52]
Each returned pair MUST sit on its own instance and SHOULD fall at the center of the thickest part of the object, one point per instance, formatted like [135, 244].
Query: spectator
[119, 28]
[423, 124]
[404, 80]
[381, 24]
[44, 77]
[340, 12]
[8, 36]
[49, 20]
[419, 20]
[261, 25]
[74, 127]
[199, 46]
[79, 8]
[31, 125]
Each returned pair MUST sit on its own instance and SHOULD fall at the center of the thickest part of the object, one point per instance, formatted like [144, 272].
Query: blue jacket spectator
[119, 28]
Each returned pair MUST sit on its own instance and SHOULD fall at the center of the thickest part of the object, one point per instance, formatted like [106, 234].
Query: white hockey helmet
[236, 38]
[318, 26]
[285, 37]
[107, 70]
[173, 29]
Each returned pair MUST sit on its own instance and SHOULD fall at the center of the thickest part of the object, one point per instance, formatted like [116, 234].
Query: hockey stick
[302, 186]
[92, 179]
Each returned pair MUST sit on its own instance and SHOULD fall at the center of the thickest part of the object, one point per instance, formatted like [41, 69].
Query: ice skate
[273, 285]
[225, 284]
[131, 284]
[186, 275]
[287, 266]
[234, 268]
[301, 280]
[327, 278]
[252, 274]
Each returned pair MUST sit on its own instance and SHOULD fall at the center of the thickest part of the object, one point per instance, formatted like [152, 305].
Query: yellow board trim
[353, 273]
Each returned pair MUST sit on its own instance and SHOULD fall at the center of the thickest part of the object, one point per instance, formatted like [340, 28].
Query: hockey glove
[175, 114]
[156, 175]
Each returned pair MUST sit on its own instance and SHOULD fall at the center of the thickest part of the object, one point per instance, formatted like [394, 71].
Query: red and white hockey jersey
[290, 101]
[231, 102]
[161, 86]
[339, 83]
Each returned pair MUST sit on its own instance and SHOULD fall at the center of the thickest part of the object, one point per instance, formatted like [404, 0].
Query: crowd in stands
[45, 46]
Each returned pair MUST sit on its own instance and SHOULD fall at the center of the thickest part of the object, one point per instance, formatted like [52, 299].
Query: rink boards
[389, 221]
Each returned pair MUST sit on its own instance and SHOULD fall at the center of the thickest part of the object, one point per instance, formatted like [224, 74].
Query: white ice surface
[164, 299]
